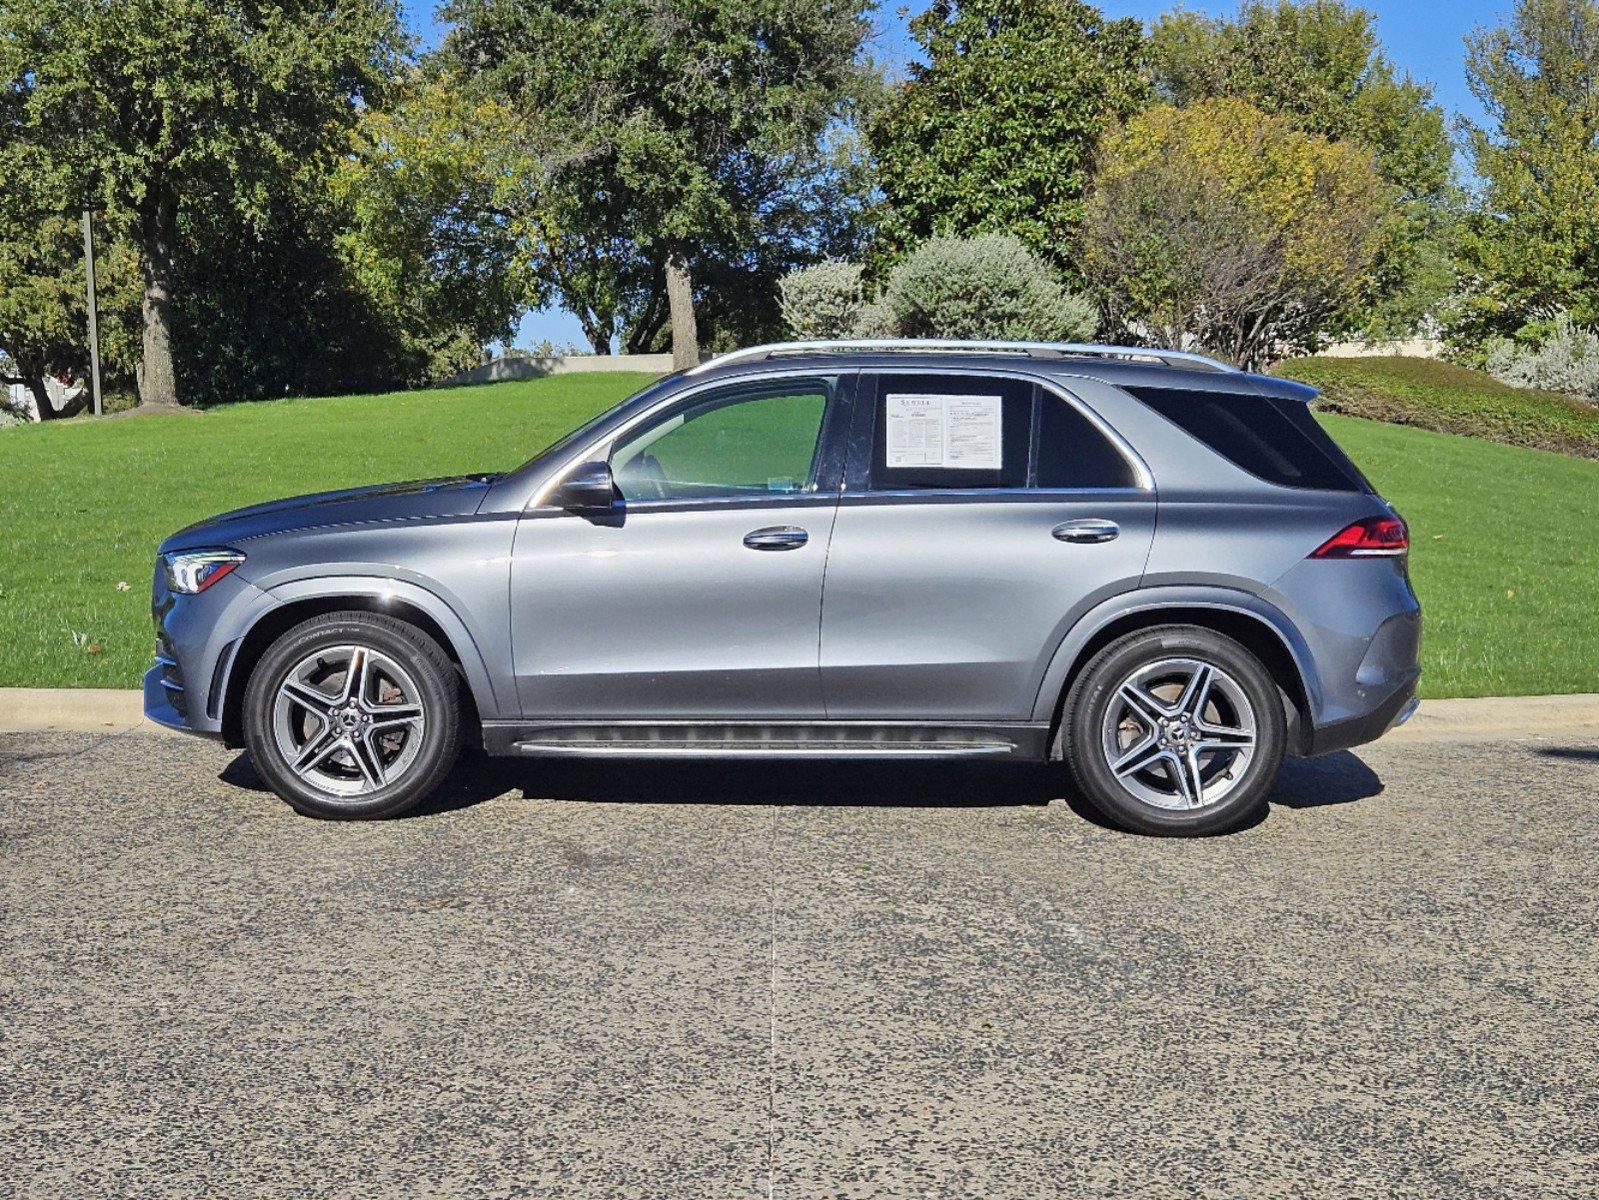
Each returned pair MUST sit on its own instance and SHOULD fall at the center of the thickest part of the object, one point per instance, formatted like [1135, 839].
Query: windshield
[586, 430]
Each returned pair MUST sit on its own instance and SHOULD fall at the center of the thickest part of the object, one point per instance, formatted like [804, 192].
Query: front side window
[743, 441]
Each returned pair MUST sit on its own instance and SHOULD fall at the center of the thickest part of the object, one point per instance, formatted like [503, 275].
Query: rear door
[982, 515]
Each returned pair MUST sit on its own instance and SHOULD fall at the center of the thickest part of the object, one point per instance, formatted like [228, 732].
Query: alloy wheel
[348, 720]
[1179, 733]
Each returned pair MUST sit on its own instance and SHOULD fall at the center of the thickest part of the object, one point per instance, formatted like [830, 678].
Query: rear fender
[1152, 600]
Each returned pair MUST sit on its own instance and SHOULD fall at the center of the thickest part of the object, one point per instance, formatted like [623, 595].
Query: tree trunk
[34, 382]
[158, 228]
[597, 329]
[680, 296]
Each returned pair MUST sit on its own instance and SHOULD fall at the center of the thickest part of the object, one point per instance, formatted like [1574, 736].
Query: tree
[996, 132]
[186, 112]
[1532, 247]
[987, 286]
[1320, 66]
[43, 310]
[669, 134]
[425, 225]
[1220, 226]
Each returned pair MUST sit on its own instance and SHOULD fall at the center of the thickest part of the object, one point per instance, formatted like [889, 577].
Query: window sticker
[958, 432]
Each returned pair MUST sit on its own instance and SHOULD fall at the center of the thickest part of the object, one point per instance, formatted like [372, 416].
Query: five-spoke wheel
[349, 719]
[353, 714]
[1175, 730]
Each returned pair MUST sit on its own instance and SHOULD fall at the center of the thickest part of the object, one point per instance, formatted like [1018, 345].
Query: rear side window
[1074, 454]
[1272, 438]
[951, 431]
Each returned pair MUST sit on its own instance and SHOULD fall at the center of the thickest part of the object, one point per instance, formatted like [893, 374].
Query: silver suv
[1145, 564]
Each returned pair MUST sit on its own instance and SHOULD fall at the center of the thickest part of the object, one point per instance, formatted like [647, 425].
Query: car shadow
[1340, 778]
[1570, 753]
[1304, 783]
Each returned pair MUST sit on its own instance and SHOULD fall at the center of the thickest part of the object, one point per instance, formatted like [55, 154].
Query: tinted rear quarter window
[1072, 453]
[1272, 438]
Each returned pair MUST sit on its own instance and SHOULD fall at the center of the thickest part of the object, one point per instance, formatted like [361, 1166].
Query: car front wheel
[1176, 730]
[353, 714]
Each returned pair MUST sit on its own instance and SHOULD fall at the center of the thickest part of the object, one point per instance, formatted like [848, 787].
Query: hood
[456, 496]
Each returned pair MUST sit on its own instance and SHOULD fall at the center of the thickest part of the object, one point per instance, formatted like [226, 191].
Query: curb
[75, 710]
[1493, 718]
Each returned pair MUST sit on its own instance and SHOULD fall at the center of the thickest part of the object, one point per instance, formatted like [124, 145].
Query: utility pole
[94, 315]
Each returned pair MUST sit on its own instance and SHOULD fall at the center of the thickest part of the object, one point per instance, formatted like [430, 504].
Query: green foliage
[1565, 360]
[181, 116]
[1450, 399]
[1222, 226]
[997, 131]
[664, 129]
[1319, 66]
[988, 286]
[824, 300]
[43, 311]
[1533, 246]
[425, 232]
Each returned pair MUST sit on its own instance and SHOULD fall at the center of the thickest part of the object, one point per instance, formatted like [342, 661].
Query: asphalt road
[804, 982]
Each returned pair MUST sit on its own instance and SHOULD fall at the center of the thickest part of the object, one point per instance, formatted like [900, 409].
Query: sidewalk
[1495, 718]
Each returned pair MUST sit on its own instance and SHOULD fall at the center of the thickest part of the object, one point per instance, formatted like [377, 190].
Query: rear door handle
[776, 537]
[1086, 531]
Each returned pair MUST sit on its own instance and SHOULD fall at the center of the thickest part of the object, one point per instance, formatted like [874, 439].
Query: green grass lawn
[1505, 554]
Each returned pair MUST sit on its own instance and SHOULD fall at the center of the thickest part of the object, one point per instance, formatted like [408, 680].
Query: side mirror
[588, 487]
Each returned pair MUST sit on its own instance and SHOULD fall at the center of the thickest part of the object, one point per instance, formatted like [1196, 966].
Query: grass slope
[1505, 557]
[84, 504]
[1449, 399]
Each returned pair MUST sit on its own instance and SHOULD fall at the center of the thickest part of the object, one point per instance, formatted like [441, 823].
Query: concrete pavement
[678, 980]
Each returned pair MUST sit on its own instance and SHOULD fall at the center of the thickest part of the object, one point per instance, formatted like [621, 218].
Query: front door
[699, 595]
[983, 516]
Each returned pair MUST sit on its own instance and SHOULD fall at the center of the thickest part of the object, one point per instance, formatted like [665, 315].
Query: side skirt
[765, 739]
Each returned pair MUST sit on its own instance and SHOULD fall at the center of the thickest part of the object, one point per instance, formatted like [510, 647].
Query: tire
[333, 755]
[1223, 738]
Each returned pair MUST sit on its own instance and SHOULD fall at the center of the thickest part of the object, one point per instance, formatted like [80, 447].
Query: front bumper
[166, 706]
[196, 640]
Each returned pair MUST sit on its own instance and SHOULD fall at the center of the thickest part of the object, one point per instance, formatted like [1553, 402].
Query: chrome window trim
[1141, 471]
[602, 447]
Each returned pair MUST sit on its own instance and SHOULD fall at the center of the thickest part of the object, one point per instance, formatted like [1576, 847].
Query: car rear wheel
[1175, 730]
[352, 715]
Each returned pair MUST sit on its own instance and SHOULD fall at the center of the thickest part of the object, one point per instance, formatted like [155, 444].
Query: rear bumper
[1357, 731]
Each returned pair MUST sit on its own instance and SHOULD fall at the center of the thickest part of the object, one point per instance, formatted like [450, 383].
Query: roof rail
[1172, 358]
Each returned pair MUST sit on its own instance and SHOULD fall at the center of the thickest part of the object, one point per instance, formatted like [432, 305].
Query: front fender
[1145, 600]
[386, 589]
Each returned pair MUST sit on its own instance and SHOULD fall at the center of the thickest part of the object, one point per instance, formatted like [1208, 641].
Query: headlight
[192, 571]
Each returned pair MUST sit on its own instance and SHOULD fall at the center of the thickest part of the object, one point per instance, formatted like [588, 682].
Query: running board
[767, 740]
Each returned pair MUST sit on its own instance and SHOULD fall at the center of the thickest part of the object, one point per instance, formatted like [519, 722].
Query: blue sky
[1425, 39]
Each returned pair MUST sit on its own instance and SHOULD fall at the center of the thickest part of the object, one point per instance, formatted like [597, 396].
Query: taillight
[1375, 537]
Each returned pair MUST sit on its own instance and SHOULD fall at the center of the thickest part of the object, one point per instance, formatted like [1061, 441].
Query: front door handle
[776, 537]
[1086, 531]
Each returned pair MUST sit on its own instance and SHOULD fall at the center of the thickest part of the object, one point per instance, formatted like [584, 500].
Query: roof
[1121, 366]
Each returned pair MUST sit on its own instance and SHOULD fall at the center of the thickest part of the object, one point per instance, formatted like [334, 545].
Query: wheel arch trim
[378, 594]
[1069, 656]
